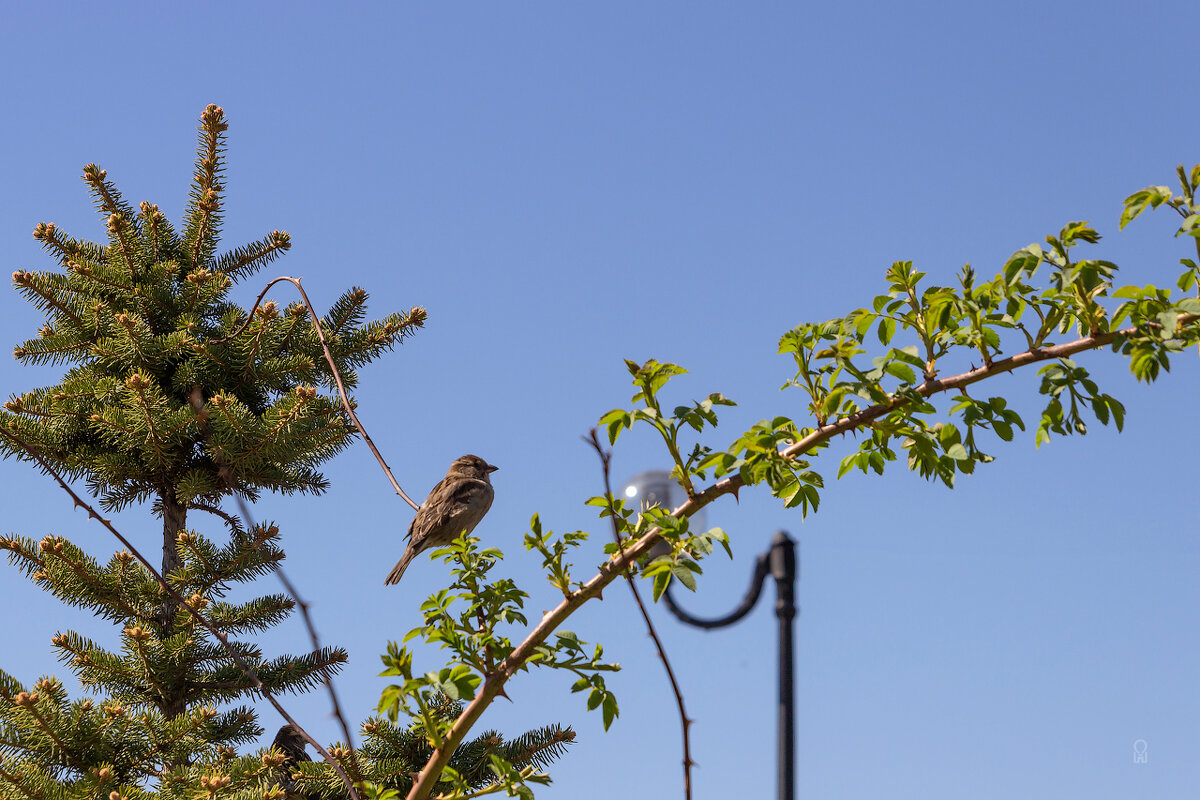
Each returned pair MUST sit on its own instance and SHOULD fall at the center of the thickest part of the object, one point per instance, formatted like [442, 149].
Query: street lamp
[781, 563]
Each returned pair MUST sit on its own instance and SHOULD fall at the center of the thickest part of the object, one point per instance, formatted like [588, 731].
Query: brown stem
[234, 525]
[337, 376]
[174, 522]
[684, 722]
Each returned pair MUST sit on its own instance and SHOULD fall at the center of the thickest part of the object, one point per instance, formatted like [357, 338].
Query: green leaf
[1023, 261]
[909, 355]
[610, 710]
[902, 371]
[685, 576]
[1189, 225]
[1136, 203]
[886, 330]
[661, 581]
[958, 452]
[1169, 320]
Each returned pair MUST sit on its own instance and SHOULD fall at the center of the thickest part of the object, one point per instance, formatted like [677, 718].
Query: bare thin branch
[337, 376]
[290, 588]
[684, 722]
[230, 520]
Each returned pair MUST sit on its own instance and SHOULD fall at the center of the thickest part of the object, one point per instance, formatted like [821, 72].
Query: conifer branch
[111, 204]
[337, 375]
[29, 352]
[206, 196]
[153, 218]
[138, 384]
[47, 233]
[136, 634]
[88, 272]
[17, 781]
[26, 279]
[30, 702]
[184, 604]
[244, 259]
[528, 750]
[51, 546]
[229, 519]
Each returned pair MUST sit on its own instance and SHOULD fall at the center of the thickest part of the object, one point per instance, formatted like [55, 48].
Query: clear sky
[565, 185]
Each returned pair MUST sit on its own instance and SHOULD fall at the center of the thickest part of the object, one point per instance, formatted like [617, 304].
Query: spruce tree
[177, 398]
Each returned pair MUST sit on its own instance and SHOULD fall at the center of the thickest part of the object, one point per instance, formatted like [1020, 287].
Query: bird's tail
[398, 571]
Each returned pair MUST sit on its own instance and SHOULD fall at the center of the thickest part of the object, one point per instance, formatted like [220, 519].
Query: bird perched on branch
[289, 742]
[455, 506]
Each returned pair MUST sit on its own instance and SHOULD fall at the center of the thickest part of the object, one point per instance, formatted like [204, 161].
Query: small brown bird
[289, 742]
[455, 506]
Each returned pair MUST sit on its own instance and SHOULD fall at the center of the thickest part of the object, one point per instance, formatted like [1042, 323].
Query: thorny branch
[494, 683]
[685, 723]
[178, 598]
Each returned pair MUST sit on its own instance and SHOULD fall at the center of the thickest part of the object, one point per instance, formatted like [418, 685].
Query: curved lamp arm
[762, 568]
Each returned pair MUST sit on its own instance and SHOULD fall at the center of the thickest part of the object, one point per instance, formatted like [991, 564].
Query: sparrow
[289, 742]
[454, 507]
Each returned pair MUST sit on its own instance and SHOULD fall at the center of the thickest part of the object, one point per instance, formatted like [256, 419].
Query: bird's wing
[471, 493]
[448, 499]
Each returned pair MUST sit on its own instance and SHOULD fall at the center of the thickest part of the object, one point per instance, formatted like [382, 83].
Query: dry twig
[337, 376]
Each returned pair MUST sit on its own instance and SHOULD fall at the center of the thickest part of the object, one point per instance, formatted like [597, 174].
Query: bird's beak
[491, 468]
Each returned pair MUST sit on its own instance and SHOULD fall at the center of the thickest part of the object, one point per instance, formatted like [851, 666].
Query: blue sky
[564, 186]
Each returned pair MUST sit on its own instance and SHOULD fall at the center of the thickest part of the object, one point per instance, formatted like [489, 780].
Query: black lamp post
[782, 564]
